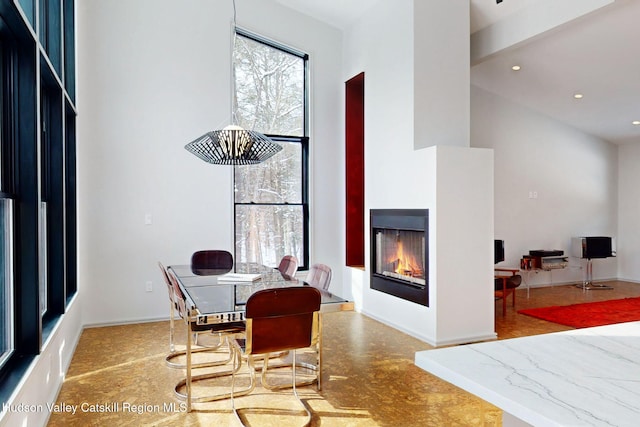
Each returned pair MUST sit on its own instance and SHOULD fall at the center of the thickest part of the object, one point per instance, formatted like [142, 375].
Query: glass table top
[221, 293]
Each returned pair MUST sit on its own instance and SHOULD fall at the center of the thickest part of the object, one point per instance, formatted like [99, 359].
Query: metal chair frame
[173, 353]
[224, 330]
[281, 319]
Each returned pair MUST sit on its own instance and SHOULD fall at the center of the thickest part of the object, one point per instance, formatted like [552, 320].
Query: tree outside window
[271, 208]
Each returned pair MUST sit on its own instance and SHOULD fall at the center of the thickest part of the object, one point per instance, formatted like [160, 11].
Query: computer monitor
[498, 251]
[593, 247]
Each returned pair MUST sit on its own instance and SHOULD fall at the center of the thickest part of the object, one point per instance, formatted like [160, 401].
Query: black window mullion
[25, 116]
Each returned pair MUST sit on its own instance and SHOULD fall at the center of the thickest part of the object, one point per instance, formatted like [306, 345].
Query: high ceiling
[341, 13]
[595, 55]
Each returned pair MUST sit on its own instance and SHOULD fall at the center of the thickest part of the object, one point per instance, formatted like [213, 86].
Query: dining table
[216, 297]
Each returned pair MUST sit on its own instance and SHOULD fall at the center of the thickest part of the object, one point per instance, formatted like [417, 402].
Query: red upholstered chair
[279, 319]
[506, 282]
[288, 266]
[213, 261]
[319, 276]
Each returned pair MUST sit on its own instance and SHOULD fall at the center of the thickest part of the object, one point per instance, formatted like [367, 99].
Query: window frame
[7, 312]
[8, 126]
[303, 140]
[25, 65]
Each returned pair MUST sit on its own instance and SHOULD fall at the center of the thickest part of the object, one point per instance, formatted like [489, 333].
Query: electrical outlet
[147, 219]
[149, 286]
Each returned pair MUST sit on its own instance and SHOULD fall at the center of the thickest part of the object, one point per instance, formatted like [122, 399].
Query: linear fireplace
[399, 253]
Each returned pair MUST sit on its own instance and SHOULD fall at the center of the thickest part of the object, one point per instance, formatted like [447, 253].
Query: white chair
[288, 266]
[319, 276]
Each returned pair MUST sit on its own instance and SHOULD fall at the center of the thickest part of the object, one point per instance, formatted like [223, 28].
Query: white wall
[573, 174]
[152, 76]
[441, 103]
[628, 240]
[464, 214]
[399, 99]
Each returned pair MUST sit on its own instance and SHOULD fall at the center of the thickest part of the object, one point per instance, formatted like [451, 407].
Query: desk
[212, 301]
[582, 377]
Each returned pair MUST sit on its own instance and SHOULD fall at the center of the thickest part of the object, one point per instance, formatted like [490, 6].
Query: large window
[271, 198]
[37, 180]
[6, 215]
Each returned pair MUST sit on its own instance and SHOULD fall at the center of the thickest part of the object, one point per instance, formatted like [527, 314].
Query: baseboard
[571, 283]
[126, 322]
[637, 282]
[467, 340]
[430, 340]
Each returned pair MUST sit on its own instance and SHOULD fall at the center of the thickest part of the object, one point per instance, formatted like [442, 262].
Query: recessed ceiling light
[516, 68]
[635, 122]
[578, 95]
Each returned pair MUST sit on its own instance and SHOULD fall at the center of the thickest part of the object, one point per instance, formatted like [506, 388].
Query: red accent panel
[354, 155]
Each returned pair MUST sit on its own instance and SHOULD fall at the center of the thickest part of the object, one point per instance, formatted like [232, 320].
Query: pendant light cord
[234, 118]
[234, 14]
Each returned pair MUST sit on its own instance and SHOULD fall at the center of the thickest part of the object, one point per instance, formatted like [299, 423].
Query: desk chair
[506, 284]
[279, 319]
[288, 266]
[319, 276]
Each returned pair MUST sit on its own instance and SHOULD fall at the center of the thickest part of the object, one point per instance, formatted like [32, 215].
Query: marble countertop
[582, 377]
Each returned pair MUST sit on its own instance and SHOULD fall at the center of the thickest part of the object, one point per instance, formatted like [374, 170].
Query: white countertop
[582, 377]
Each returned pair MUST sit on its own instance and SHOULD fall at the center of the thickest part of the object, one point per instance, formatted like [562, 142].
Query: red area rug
[590, 313]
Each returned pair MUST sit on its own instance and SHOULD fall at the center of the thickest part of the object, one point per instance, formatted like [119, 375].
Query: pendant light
[233, 145]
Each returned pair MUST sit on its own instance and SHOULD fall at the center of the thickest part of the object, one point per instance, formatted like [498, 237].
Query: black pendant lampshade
[233, 145]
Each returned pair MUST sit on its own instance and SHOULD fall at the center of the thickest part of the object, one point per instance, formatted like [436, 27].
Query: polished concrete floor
[118, 376]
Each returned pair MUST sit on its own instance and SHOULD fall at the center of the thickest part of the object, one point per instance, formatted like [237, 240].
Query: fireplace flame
[406, 264]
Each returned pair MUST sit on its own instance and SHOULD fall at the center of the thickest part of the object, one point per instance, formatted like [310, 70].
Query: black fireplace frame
[400, 219]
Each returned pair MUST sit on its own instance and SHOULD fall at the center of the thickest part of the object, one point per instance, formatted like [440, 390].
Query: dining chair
[319, 276]
[173, 310]
[277, 320]
[223, 330]
[211, 261]
[288, 266]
